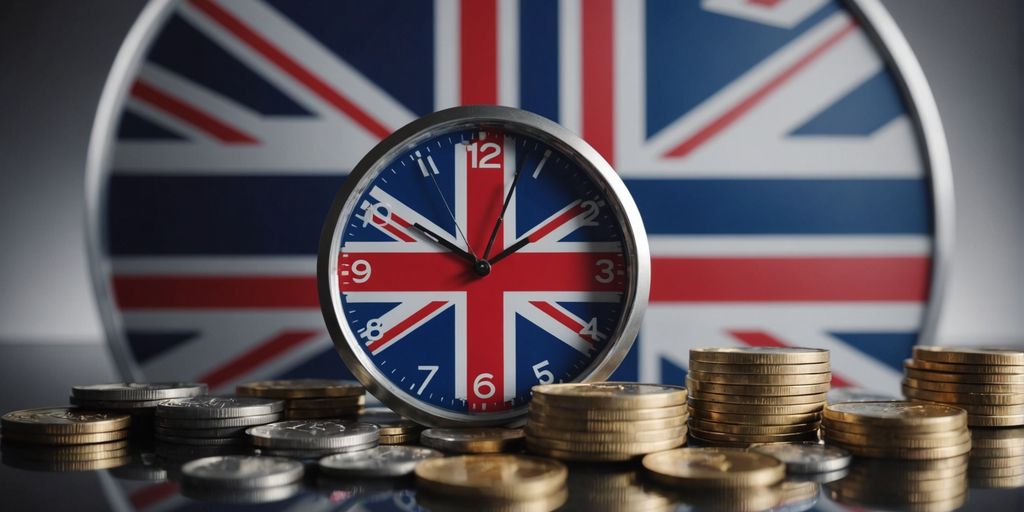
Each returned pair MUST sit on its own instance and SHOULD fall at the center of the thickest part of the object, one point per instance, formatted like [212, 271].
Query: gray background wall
[54, 58]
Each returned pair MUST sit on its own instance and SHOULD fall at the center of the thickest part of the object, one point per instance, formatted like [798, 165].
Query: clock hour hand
[508, 251]
[458, 251]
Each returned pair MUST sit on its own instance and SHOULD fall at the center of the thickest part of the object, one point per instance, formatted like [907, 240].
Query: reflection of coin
[473, 440]
[301, 388]
[610, 395]
[65, 439]
[379, 461]
[139, 391]
[218, 407]
[714, 468]
[62, 420]
[760, 355]
[242, 472]
[969, 355]
[312, 434]
[492, 476]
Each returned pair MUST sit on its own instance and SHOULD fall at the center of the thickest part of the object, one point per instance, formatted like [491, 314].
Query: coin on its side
[761, 379]
[756, 419]
[964, 378]
[760, 355]
[995, 399]
[708, 405]
[312, 434]
[538, 406]
[542, 421]
[644, 436]
[610, 395]
[492, 476]
[714, 468]
[62, 420]
[473, 440]
[970, 355]
[241, 471]
[207, 407]
[964, 369]
[758, 430]
[139, 391]
[301, 388]
[760, 369]
[807, 457]
[700, 388]
[381, 461]
[919, 416]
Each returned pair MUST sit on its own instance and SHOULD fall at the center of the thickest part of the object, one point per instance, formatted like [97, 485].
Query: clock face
[475, 254]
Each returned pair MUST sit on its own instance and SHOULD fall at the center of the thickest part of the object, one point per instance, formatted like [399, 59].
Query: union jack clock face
[475, 253]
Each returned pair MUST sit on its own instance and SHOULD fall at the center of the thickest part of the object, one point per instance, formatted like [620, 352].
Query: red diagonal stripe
[562, 318]
[741, 108]
[289, 65]
[189, 114]
[790, 279]
[152, 494]
[213, 292]
[555, 223]
[256, 356]
[404, 325]
[763, 339]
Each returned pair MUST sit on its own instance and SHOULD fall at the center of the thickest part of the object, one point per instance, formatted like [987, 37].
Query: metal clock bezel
[635, 246]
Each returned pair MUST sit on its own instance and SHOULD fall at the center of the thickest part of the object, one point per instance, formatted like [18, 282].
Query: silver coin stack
[139, 399]
[213, 420]
[312, 439]
[241, 479]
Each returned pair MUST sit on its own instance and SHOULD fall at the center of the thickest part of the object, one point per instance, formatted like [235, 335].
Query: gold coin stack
[897, 430]
[997, 458]
[394, 429]
[306, 399]
[935, 485]
[986, 382]
[64, 439]
[605, 421]
[491, 482]
[745, 396]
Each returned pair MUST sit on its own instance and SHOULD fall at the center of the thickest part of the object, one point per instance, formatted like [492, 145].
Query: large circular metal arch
[879, 24]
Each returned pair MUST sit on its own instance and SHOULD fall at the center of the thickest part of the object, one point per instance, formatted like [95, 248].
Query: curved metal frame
[880, 25]
[638, 256]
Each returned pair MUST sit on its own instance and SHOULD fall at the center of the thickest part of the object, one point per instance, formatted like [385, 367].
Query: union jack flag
[765, 141]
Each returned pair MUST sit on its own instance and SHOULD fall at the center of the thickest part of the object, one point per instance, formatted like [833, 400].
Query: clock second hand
[504, 206]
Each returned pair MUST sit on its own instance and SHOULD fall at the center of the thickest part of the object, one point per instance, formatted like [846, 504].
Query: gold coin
[970, 355]
[346, 402]
[491, 476]
[536, 430]
[1008, 434]
[759, 369]
[472, 440]
[440, 503]
[398, 438]
[963, 368]
[610, 395]
[579, 456]
[539, 406]
[966, 378]
[74, 448]
[964, 398]
[769, 409]
[301, 388]
[897, 441]
[756, 430]
[959, 387]
[912, 469]
[876, 430]
[997, 482]
[1014, 470]
[760, 355]
[1004, 451]
[753, 438]
[564, 423]
[905, 453]
[635, 448]
[62, 456]
[760, 379]
[714, 468]
[62, 439]
[701, 388]
[940, 487]
[755, 419]
[997, 462]
[62, 420]
[807, 401]
[981, 410]
[898, 414]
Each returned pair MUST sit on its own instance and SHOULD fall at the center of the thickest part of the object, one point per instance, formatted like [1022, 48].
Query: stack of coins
[63, 439]
[745, 396]
[605, 421]
[938, 485]
[986, 382]
[897, 430]
[394, 429]
[312, 439]
[310, 398]
[997, 458]
[213, 420]
[139, 399]
[726, 478]
[473, 440]
[491, 482]
[241, 479]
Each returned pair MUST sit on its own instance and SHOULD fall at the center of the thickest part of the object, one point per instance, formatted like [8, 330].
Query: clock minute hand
[458, 251]
[504, 205]
[511, 249]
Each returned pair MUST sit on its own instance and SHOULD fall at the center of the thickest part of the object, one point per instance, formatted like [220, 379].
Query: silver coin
[201, 432]
[218, 407]
[242, 471]
[313, 434]
[139, 391]
[807, 457]
[114, 404]
[241, 496]
[379, 461]
[472, 440]
[206, 423]
[202, 441]
[313, 454]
